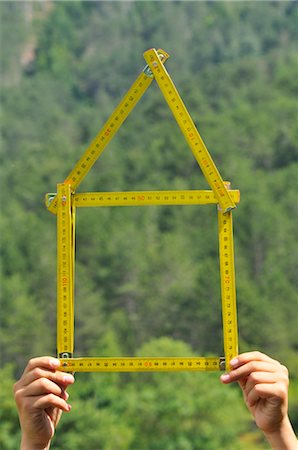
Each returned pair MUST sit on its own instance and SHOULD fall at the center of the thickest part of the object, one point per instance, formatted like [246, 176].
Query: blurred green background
[147, 280]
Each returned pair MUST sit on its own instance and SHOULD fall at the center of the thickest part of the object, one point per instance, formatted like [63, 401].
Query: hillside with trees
[147, 279]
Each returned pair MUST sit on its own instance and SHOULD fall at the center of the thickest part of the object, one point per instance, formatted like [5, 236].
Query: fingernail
[225, 377]
[65, 395]
[68, 407]
[68, 378]
[54, 363]
[234, 362]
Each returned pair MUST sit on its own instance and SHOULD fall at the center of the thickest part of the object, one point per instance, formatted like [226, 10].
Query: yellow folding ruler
[64, 204]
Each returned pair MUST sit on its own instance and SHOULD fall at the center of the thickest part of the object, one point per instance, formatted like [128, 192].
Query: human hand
[264, 382]
[41, 397]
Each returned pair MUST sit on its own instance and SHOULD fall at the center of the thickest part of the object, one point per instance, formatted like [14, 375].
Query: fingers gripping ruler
[66, 200]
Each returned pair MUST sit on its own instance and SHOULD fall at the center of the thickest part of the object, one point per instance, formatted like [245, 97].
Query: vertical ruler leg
[72, 261]
[65, 271]
[228, 285]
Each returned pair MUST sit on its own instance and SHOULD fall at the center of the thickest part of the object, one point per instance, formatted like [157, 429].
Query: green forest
[147, 279]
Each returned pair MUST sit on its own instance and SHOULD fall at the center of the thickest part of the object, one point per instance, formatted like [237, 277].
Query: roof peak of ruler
[154, 69]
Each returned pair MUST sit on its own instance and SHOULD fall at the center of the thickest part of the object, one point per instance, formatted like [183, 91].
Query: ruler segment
[65, 269]
[148, 198]
[135, 364]
[228, 285]
[189, 130]
[110, 128]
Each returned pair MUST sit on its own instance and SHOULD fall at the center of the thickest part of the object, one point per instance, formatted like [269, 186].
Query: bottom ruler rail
[150, 364]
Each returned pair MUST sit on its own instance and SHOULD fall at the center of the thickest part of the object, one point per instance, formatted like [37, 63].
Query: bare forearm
[26, 444]
[284, 438]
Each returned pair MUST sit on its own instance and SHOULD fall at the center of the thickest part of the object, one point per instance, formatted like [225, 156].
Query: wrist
[283, 438]
[28, 444]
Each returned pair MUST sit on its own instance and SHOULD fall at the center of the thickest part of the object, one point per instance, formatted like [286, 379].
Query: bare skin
[264, 382]
[41, 398]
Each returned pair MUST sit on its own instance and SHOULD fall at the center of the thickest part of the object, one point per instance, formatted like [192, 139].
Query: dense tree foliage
[147, 279]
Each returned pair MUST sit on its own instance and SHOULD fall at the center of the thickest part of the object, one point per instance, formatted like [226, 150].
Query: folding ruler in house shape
[65, 202]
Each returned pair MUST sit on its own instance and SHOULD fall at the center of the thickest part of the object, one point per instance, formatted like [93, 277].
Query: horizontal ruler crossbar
[147, 198]
[150, 364]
